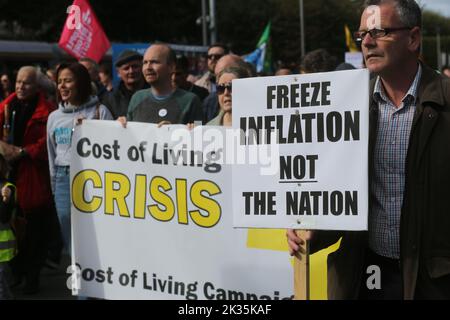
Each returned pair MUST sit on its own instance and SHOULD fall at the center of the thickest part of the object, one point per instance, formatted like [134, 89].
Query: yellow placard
[275, 239]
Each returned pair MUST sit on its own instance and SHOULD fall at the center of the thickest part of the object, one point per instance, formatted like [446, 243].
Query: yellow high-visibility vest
[7, 239]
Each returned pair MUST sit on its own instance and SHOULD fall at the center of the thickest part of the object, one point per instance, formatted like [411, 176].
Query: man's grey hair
[33, 71]
[408, 11]
[40, 79]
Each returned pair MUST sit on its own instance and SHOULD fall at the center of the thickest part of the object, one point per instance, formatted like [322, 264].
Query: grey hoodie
[60, 126]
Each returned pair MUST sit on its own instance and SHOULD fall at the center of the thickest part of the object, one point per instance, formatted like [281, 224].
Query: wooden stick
[301, 270]
[6, 126]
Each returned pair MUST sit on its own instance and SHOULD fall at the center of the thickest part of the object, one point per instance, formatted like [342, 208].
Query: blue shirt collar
[411, 96]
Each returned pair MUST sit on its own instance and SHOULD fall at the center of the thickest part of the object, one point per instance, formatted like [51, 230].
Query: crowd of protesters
[39, 111]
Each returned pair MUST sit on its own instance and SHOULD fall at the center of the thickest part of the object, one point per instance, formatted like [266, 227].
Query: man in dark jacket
[129, 68]
[210, 104]
[179, 79]
[409, 221]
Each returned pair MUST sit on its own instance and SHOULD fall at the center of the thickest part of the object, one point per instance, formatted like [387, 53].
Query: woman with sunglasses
[76, 103]
[224, 89]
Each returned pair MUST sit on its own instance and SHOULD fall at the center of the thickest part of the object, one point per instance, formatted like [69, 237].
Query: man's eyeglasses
[221, 88]
[376, 33]
[215, 56]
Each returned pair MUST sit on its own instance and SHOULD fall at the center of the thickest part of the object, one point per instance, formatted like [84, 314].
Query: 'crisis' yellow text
[115, 189]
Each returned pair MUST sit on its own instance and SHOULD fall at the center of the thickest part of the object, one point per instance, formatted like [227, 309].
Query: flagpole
[302, 29]
[205, 31]
[212, 21]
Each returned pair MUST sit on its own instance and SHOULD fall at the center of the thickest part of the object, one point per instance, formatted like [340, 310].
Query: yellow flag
[351, 45]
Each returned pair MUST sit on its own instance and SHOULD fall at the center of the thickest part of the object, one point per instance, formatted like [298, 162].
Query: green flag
[262, 56]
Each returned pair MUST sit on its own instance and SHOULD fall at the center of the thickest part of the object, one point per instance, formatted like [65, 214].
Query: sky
[441, 6]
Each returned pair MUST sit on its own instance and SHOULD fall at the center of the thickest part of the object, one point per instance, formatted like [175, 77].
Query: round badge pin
[163, 113]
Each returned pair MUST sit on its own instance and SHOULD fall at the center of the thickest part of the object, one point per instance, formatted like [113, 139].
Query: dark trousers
[432, 289]
[55, 242]
[391, 285]
[33, 247]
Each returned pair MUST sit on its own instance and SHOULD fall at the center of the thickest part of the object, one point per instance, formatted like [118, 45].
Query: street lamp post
[212, 21]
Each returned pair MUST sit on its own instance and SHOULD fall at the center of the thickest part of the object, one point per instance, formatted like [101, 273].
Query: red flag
[83, 35]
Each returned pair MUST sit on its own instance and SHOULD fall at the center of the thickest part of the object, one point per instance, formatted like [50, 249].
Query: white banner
[152, 219]
[317, 128]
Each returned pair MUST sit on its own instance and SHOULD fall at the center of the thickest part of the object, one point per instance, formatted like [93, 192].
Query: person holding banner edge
[75, 104]
[409, 169]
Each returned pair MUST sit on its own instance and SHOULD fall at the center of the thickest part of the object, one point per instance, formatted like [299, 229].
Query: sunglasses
[221, 88]
[215, 56]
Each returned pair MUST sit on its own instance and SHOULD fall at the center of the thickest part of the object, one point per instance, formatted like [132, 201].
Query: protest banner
[316, 176]
[152, 219]
[316, 173]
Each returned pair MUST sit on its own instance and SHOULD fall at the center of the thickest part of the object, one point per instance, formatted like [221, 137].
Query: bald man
[211, 103]
[162, 103]
[23, 117]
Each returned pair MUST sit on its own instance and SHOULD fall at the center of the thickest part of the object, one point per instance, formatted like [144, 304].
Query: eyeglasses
[221, 88]
[215, 56]
[376, 33]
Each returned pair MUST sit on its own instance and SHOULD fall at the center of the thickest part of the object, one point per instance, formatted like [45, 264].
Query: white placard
[314, 174]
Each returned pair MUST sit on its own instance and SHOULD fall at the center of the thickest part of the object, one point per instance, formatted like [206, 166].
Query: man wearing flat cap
[129, 69]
